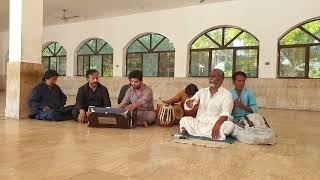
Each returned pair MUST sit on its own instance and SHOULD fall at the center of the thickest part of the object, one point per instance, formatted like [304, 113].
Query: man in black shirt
[47, 100]
[91, 94]
[123, 91]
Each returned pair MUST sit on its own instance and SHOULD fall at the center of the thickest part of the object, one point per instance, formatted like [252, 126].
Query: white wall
[25, 35]
[267, 20]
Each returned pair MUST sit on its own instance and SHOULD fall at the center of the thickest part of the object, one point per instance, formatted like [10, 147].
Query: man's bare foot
[142, 124]
[145, 124]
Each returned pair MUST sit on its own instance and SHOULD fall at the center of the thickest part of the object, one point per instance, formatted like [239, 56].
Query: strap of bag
[265, 122]
[249, 122]
[240, 124]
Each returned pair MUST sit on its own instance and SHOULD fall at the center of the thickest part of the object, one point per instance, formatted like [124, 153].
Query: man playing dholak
[214, 113]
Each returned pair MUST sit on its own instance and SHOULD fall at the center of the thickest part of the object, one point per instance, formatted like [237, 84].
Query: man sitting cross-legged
[47, 100]
[244, 99]
[91, 94]
[139, 99]
[214, 112]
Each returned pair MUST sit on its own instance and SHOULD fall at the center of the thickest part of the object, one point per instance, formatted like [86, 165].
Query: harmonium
[109, 118]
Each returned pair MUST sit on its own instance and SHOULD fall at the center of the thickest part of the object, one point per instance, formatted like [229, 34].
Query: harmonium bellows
[109, 118]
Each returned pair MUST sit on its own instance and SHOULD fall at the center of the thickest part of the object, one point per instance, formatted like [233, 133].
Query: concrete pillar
[181, 61]
[24, 68]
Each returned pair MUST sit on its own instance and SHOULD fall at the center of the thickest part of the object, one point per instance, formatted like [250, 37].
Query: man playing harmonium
[214, 113]
[139, 99]
[91, 94]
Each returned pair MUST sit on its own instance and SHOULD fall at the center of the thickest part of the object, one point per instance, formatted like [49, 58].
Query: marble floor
[31, 149]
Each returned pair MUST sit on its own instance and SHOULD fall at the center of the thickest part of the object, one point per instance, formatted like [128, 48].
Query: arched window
[54, 57]
[299, 52]
[227, 48]
[95, 54]
[153, 54]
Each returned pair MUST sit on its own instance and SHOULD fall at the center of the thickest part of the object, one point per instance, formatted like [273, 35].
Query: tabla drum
[166, 115]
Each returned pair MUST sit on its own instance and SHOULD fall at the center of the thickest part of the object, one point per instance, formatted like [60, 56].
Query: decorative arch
[228, 48]
[151, 53]
[95, 53]
[54, 57]
[299, 51]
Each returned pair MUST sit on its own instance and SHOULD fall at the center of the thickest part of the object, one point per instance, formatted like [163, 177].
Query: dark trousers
[62, 114]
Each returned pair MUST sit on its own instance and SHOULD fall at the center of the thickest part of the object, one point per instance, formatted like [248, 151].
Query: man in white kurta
[214, 113]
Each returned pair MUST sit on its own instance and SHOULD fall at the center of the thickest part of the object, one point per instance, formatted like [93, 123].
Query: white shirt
[212, 107]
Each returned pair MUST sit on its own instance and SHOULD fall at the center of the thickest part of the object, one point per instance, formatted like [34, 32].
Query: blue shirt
[248, 98]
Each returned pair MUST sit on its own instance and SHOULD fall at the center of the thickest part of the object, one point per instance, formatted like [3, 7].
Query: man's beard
[136, 87]
[94, 84]
[213, 84]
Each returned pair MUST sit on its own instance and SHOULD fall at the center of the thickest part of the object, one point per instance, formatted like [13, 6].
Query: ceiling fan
[66, 18]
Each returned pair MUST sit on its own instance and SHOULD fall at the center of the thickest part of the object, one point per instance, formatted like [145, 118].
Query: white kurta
[210, 109]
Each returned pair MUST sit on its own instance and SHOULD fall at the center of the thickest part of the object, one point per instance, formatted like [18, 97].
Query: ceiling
[95, 9]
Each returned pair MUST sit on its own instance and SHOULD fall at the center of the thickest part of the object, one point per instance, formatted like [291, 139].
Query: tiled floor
[31, 149]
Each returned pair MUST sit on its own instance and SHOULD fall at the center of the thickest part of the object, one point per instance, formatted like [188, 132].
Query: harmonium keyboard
[109, 117]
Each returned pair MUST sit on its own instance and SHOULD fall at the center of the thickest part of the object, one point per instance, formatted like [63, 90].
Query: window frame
[224, 46]
[151, 51]
[54, 55]
[305, 46]
[95, 52]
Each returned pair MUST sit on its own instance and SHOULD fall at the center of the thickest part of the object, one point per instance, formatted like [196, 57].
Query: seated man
[47, 100]
[91, 94]
[139, 99]
[214, 113]
[182, 96]
[122, 92]
[243, 98]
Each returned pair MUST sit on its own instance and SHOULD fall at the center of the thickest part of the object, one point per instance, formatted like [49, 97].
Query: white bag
[254, 129]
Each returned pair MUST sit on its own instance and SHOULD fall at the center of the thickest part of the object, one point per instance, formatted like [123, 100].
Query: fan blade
[71, 17]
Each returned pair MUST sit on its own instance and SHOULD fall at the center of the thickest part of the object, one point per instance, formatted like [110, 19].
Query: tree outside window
[227, 48]
[95, 54]
[54, 57]
[299, 52]
[153, 54]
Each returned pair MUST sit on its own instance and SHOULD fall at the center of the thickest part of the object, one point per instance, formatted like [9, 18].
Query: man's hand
[45, 108]
[82, 117]
[189, 103]
[216, 130]
[165, 102]
[131, 107]
[239, 104]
